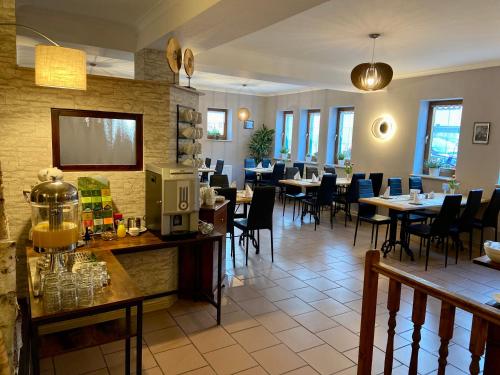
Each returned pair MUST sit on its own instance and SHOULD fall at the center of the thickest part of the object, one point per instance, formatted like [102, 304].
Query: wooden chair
[485, 321]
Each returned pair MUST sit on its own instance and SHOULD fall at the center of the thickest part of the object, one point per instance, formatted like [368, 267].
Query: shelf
[429, 177]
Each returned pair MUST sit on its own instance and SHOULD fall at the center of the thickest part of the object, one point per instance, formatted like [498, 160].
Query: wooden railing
[485, 322]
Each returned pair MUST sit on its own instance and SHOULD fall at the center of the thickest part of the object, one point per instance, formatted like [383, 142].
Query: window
[312, 134]
[216, 123]
[286, 136]
[343, 135]
[443, 132]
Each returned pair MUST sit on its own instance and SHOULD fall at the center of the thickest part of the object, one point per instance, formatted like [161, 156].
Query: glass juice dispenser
[55, 218]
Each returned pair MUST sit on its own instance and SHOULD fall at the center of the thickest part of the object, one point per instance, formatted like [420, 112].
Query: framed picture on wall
[248, 124]
[481, 133]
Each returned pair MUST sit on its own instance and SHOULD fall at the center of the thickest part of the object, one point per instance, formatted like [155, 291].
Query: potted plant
[308, 158]
[434, 167]
[284, 153]
[348, 171]
[213, 134]
[315, 157]
[453, 185]
[261, 143]
[341, 158]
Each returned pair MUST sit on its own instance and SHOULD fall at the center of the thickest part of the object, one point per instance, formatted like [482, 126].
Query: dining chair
[346, 199]
[323, 197]
[368, 212]
[376, 179]
[266, 162]
[465, 224]
[415, 182]
[440, 227]
[299, 165]
[219, 166]
[250, 177]
[396, 186]
[204, 175]
[275, 176]
[310, 171]
[330, 170]
[230, 195]
[260, 216]
[219, 180]
[293, 193]
[489, 218]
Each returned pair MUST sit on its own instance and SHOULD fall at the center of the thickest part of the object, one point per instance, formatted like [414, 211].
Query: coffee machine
[172, 199]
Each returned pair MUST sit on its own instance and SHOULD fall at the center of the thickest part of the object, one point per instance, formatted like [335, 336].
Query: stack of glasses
[69, 290]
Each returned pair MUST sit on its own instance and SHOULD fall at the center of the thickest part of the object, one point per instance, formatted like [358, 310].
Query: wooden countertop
[215, 207]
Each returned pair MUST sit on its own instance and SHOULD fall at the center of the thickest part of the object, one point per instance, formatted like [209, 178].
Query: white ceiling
[280, 45]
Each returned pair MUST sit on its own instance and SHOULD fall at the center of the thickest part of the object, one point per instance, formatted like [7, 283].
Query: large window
[216, 123]
[286, 136]
[312, 134]
[343, 135]
[443, 132]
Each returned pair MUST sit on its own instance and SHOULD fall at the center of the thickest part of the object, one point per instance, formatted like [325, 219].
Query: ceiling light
[57, 66]
[243, 112]
[371, 76]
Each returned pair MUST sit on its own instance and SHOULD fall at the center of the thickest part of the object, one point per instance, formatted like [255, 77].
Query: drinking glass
[51, 299]
[85, 296]
[68, 295]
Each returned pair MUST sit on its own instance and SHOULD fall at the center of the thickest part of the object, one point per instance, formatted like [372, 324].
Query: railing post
[477, 341]
[393, 302]
[446, 322]
[418, 318]
[368, 311]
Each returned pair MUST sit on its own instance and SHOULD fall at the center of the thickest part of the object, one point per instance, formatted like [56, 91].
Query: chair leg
[420, 248]
[246, 249]
[446, 253]
[482, 241]
[427, 253]
[471, 234]
[386, 231]
[373, 229]
[331, 216]
[272, 246]
[293, 215]
[284, 204]
[496, 233]
[233, 247]
[356, 231]
[376, 236]
[258, 241]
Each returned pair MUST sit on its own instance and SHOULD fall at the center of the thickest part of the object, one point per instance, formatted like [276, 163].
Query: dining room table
[403, 204]
[306, 183]
[243, 198]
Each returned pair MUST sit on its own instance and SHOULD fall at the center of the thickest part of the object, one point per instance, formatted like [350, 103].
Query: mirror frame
[56, 150]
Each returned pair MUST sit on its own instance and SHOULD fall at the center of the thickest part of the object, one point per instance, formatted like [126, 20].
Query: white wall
[234, 150]
[478, 165]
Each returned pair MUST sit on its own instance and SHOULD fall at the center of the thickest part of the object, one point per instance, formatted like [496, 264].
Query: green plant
[348, 169]
[432, 163]
[341, 156]
[284, 150]
[213, 133]
[453, 183]
[261, 143]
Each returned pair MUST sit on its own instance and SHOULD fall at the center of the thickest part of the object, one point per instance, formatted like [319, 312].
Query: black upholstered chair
[323, 197]
[276, 175]
[230, 195]
[219, 166]
[415, 182]
[329, 170]
[310, 171]
[266, 162]
[349, 197]
[396, 186]
[250, 177]
[204, 175]
[219, 180]
[300, 166]
[377, 179]
[440, 227]
[293, 193]
[368, 212]
[490, 217]
[260, 216]
[465, 224]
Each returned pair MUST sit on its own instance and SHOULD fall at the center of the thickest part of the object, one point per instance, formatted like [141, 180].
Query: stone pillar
[151, 65]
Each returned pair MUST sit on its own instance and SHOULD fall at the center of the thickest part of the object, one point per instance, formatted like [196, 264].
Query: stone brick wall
[150, 64]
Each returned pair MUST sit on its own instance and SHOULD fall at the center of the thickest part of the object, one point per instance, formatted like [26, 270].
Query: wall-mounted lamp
[383, 127]
[57, 66]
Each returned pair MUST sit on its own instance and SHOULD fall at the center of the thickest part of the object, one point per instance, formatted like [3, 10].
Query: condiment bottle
[121, 231]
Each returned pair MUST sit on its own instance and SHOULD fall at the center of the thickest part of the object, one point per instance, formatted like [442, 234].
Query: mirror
[93, 140]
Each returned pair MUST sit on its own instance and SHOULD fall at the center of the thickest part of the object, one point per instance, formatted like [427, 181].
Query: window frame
[428, 129]
[337, 131]
[309, 112]
[283, 133]
[224, 138]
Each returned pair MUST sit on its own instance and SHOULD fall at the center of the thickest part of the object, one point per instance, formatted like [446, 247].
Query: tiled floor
[298, 315]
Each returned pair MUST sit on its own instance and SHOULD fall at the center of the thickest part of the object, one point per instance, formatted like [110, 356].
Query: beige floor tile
[354, 371]
[330, 307]
[211, 339]
[79, 362]
[340, 338]
[303, 274]
[116, 361]
[315, 321]
[165, 339]
[230, 360]
[276, 321]
[326, 360]
[276, 293]
[179, 360]
[322, 283]
[350, 320]
[294, 306]
[342, 294]
[253, 371]
[195, 321]
[256, 338]
[237, 321]
[307, 370]
[155, 320]
[257, 306]
[290, 283]
[207, 370]
[378, 360]
[242, 293]
[299, 339]
[186, 306]
[116, 346]
[103, 371]
[309, 294]
[278, 359]
[260, 282]
[151, 371]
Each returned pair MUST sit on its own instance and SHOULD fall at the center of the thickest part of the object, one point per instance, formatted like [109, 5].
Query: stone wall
[150, 64]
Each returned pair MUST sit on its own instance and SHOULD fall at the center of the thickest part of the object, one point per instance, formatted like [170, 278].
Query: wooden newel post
[368, 311]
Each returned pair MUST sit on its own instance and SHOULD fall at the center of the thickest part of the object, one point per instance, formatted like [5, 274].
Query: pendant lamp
[243, 112]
